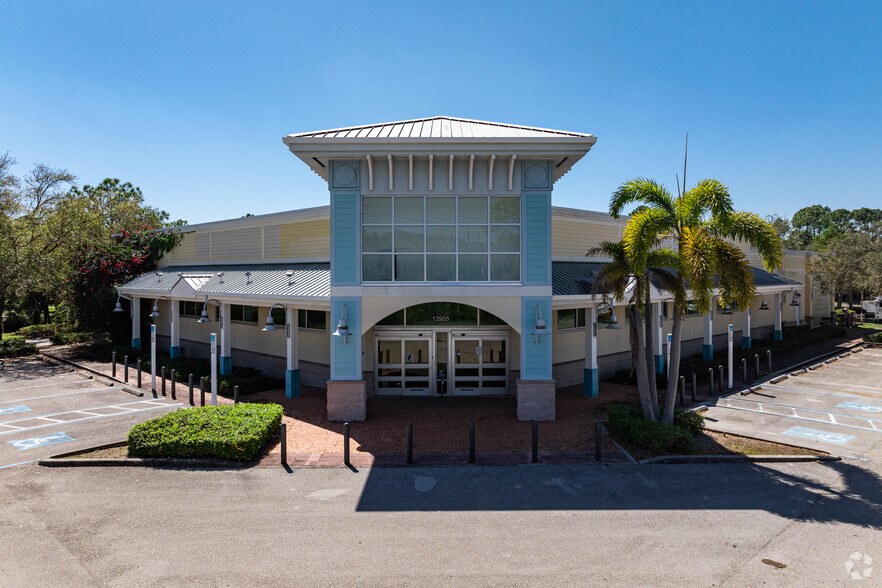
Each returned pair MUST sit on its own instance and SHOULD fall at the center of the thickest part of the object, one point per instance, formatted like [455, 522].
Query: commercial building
[439, 266]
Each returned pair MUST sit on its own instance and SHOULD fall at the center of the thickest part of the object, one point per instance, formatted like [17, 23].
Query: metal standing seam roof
[309, 280]
[438, 127]
[576, 278]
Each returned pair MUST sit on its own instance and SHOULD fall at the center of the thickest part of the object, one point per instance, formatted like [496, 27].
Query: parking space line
[794, 408]
[103, 416]
[87, 408]
[57, 395]
[12, 465]
[35, 385]
[820, 393]
[824, 382]
[784, 416]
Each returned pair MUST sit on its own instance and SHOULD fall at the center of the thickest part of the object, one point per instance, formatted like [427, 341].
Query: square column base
[592, 384]
[659, 364]
[225, 365]
[707, 352]
[347, 400]
[745, 342]
[292, 383]
[536, 400]
[136, 342]
[778, 335]
[174, 351]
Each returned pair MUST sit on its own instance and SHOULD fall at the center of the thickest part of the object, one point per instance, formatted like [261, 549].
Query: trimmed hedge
[16, 347]
[34, 331]
[875, 337]
[228, 432]
[66, 338]
[627, 423]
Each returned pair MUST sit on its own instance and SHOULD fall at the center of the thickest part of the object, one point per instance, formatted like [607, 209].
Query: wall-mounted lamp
[613, 321]
[796, 298]
[541, 329]
[155, 313]
[203, 318]
[764, 306]
[342, 327]
[270, 323]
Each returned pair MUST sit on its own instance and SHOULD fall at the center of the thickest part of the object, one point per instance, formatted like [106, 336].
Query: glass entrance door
[403, 366]
[480, 366]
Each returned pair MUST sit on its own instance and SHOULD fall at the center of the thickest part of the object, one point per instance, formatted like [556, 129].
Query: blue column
[136, 342]
[745, 342]
[707, 352]
[592, 383]
[346, 354]
[225, 365]
[659, 364]
[778, 335]
[174, 351]
[292, 383]
[535, 355]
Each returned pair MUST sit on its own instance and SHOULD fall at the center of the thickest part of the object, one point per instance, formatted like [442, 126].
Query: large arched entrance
[440, 348]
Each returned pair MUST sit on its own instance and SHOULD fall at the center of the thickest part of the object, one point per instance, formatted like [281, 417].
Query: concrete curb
[684, 459]
[125, 388]
[150, 462]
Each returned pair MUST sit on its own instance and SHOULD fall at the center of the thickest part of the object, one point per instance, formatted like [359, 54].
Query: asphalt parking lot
[835, 407]
[47, 409]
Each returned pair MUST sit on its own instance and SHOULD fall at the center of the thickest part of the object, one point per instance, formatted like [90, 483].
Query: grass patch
[16, 347]
[236, 432]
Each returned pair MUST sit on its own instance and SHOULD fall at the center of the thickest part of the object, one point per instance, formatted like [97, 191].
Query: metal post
[174, 379]
[283, 431]
[346, 444]
[162, 376]
[235, 394]
[694, 386]
[710, 382]
[598, 452]
[720, 369]
[744, 371]
[756, 359]
[139, 373]
[409, 443]
[535, 456]
[190, 382]
[682, 390]
[471, 442]
[202, 390]
[113, 363]
[126, 369]
[769, 356]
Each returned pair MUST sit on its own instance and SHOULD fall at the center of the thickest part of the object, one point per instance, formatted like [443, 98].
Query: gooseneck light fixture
[613, 321]
[343, 327]
[155, 313]
[541, 328]
[203, 318]
[764, 306]
[270, 323]
[795, 298]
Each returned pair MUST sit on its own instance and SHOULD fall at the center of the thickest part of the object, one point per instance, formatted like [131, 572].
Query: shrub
[16, 347]
[228, 432]
[66, 338]
[873, 337]
[627, 423]
[33, 331]
[689, 421]
[12, 322]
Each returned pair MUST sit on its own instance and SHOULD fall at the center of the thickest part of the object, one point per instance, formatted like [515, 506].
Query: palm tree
[620, 280]
[700, 226]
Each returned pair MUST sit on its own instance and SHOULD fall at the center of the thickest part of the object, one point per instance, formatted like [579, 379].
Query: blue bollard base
[292, 383]
[174, 351]
[778, 335]
[707, 352]
[745, 342]
[225, 365]
[659, 364]
[136, 342]
[592, 385]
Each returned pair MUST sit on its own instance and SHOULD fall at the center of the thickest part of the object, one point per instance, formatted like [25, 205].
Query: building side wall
[574, 238]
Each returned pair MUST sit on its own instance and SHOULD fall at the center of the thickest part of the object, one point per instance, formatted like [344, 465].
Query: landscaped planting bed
[237, 432]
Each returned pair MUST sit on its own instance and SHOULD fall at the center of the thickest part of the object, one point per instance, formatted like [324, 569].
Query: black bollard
[139, 373]
[235, 394]
[346, 444]
[471, 442]
[113, 363]
[202, 390]
[535, 444]
[173, 380]
[756, 359]
[682, 390]
[710, 383]
[126, 369]
[694, 386]
[283, 431]
[190, 382]
[769, 356]
[744, 371]
[598, 452]
[162, 376]
[720, 369]
[409, 443]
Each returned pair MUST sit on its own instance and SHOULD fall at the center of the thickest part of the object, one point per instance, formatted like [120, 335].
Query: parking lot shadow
[827, 492]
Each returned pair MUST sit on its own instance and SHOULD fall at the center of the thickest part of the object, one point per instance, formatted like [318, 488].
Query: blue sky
[782, 100]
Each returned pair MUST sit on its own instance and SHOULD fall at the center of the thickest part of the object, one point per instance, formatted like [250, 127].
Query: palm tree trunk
[674, 371]
[642, 376]
[650, 352]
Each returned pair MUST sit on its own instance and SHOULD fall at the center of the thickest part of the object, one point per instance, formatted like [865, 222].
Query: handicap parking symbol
[859, 406]
[825, 436]
[14, 409]
[35, 442]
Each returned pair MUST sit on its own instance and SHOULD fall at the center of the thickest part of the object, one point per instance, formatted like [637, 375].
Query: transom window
[440, 239]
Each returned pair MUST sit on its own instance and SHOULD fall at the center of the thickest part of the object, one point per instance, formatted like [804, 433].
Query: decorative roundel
[344, 174]
[537, 175]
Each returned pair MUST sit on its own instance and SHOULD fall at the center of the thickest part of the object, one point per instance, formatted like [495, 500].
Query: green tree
[852, 262]
[702, 223]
